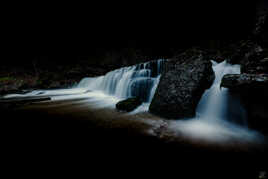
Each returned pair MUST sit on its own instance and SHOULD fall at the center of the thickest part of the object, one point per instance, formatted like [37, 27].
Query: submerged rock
[129, 104]
[182, 85]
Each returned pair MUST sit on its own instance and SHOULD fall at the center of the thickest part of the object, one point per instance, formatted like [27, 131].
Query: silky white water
[139, 80]
[135, 81]
[216, 103]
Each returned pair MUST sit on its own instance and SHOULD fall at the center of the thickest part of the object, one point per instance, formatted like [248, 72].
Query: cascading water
[135, 81]
[216, 103]
[142, 80]
[219, 116]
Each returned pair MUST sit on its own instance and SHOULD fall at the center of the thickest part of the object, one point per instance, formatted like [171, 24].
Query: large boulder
[252, 90]
[129, 104]
[182, 84]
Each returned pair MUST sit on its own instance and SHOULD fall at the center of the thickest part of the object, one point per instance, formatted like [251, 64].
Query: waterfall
[217, 103]
[135, 81]
[219, 116]
[139, 80]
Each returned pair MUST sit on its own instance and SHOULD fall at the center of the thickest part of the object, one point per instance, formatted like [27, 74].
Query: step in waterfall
[139, 80]
[220, 118]
[135, 81]
[216, 103]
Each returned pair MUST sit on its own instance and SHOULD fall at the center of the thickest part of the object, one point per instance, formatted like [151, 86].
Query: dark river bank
[66, 135]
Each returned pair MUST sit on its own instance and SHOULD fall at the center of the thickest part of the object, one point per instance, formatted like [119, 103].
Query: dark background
[65, 31]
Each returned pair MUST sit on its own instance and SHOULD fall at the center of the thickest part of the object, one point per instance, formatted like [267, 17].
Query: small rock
[129, 104]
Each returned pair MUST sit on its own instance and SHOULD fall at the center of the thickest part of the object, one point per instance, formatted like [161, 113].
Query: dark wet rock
[211, 54]
[242, 82]
[188, 56]
[185, 79]
[252, 90]
[216, 56]
[129, 104]
[235, 54]
[250, 55]
[255, 61]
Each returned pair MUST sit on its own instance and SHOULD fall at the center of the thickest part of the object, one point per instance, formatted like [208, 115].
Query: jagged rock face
[251, 56]
[255, 61]
[129, 104]
[182, 85]
[242, 82]
[252, 89]
[236, 53]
